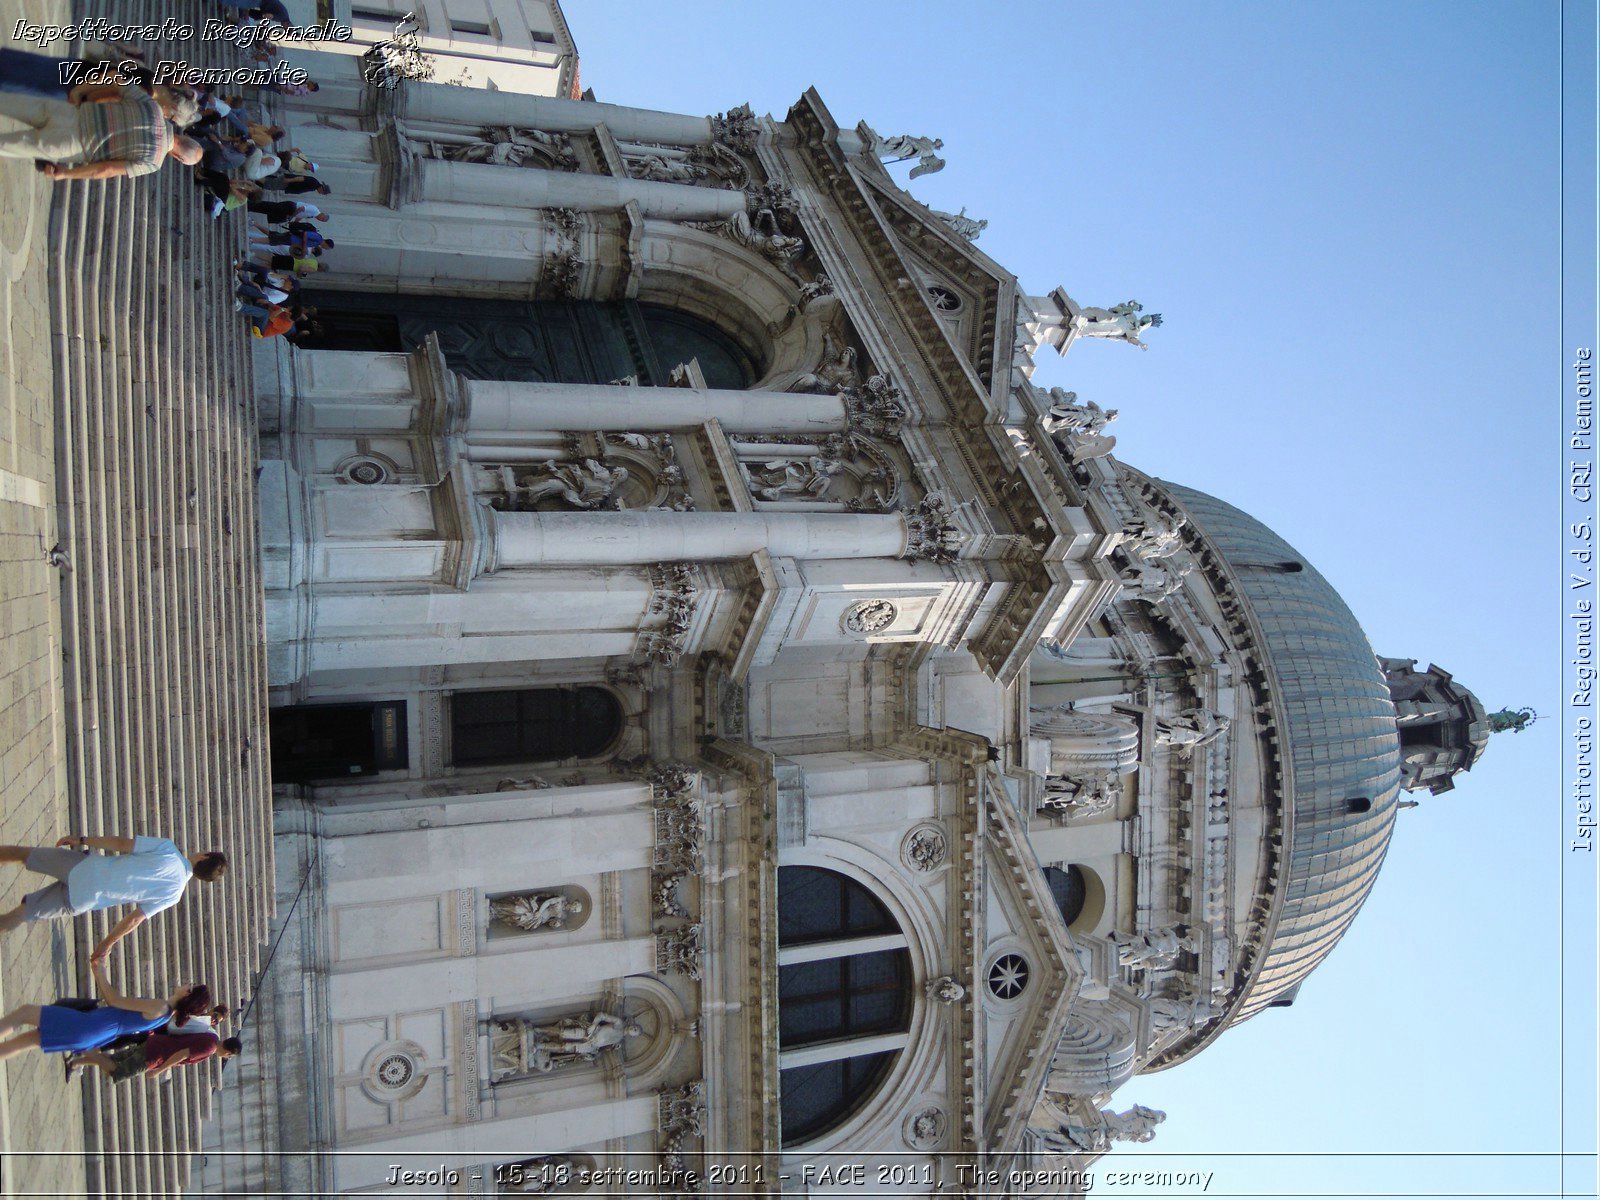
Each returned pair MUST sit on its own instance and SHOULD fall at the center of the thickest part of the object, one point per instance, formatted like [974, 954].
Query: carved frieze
[595, 473]
[680, 831]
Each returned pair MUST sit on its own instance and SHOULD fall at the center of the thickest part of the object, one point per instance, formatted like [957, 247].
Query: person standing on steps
[148, 873]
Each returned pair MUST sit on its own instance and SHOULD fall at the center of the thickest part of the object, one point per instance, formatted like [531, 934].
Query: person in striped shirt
[104, 133]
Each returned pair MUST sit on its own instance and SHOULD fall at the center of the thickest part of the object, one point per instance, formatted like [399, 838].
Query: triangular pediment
[1016, 920]
[949, 267]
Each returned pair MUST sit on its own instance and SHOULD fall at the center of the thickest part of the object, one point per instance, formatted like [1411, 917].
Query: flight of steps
[164, 658]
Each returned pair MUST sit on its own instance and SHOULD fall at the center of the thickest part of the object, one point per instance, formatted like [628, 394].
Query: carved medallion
[366, 469]
[869, 616]
[924, 1130]
[925, 848]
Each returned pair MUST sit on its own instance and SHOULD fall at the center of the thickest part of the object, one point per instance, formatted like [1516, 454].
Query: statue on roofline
[1516, 720]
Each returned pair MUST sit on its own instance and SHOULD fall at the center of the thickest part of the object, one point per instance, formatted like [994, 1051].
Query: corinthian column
[472, 108]
[495, 409]
[531, 187]
[523, 539]
[344, 91]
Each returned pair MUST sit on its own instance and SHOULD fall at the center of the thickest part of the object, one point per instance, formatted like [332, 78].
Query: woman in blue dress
[58, 1027]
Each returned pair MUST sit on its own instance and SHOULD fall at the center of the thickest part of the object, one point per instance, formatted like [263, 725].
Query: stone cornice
[1277, 771]
[915, 226]
[965, 754]
[1059, 975]
[1030, 502]
[755, 771]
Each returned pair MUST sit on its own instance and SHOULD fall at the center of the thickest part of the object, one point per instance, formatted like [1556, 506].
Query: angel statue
[586, 486]
[791, 479]
[904, 146]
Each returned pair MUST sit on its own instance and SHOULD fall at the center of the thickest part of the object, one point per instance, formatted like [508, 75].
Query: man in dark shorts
[157, 1054]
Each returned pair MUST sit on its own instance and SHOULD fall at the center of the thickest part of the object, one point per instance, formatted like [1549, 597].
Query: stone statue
[1068, 416]
[1092, 446]
[836, 373]
[904, 146]
[535, 910]
[1123, 323]
[507, 146]
[1155, 948]
[791, 479]
[586, 486]
[1067, 796]
[1514, 720]
[528, 783]
[1096, 1134]
[578, 1039]
[960, 224]
[1185, 1013]
[666, 170]
[759, 231]
[1196, 728]
[1155, 581]
[1154, 538]
[1138, 1124]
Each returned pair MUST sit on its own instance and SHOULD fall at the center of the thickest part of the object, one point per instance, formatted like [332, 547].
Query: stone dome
[1338, 753]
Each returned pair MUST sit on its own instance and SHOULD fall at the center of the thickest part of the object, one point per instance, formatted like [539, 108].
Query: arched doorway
[550, 341]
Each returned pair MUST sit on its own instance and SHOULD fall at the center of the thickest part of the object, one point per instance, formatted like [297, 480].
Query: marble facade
[881, 611]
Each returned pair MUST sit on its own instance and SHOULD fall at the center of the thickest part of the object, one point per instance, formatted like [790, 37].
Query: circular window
[943, 299]
[1008, 977]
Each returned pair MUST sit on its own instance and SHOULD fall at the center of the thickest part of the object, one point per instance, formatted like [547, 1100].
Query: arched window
[844, 998]
[532, 725]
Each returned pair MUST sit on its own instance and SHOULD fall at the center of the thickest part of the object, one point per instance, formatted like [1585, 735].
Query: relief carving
[502, 145]
[679, 950]
[669, 614]
[680, 1116]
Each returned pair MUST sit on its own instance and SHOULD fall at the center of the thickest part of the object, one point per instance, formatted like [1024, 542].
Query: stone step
[164, 671]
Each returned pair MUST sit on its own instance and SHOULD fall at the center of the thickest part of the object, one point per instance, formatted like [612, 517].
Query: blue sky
[1347, 214]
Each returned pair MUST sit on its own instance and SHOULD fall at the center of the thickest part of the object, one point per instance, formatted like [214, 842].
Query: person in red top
[157, 1054]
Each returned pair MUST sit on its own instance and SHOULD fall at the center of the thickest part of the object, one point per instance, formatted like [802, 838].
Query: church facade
[724, 714]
